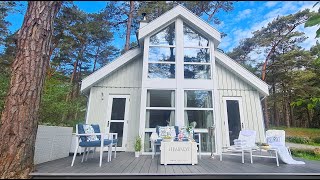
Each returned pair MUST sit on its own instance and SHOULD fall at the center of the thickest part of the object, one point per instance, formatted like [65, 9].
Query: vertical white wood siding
[231, 85]
[124, 81]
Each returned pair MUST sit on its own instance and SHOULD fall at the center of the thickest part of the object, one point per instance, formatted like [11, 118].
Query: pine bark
[128, 32]
[19, 120]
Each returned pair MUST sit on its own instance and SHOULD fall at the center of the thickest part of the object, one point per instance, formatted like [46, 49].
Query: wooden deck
[127, 166]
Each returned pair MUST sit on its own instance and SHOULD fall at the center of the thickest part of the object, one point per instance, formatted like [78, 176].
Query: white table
[272, 153]
[176, 152]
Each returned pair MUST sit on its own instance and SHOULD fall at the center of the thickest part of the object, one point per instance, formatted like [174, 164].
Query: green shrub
[299, 140]
[316, 140]
[137, 145]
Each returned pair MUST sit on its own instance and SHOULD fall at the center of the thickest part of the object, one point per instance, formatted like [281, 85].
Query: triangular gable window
[165, 37]
[193, 39]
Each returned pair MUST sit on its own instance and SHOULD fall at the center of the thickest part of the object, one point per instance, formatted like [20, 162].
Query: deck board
[127, 164]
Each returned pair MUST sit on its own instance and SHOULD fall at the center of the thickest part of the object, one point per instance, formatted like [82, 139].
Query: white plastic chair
[245, 143]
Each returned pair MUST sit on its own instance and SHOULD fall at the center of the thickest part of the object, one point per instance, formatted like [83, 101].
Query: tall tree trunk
[129, 22]
[96, 58]
[19, 120]
[286, 113]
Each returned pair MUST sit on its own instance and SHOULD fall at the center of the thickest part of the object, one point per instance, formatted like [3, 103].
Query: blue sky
[238, 24]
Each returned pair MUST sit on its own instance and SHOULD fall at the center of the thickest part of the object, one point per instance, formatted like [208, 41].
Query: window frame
[163, 46]
[196, 47]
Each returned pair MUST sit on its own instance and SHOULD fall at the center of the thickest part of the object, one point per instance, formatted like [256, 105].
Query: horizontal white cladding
[172, 84]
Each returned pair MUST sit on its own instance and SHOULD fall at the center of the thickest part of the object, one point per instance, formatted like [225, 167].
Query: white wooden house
[175, 76]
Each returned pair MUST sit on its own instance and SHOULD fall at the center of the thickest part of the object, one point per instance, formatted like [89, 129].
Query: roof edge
[96, 76]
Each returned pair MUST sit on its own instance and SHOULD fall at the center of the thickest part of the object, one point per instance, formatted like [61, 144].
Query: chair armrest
[114, 135]
[92, 134]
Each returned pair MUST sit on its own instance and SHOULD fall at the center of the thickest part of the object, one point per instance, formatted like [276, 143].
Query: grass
[306, 154]
[300, 132]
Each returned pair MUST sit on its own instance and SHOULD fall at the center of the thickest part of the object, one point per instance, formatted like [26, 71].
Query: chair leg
[101, 152]
[115, 150]
[242, 156]
[277, 158]
[94, 150]
[109, 152]
[88, 153]
[152, 151]
[221, 156]
[200, 150]
[251, 156]
[84, 153]
[75, 154]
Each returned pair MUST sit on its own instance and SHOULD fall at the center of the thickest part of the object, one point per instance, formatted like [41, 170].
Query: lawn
[300, 132]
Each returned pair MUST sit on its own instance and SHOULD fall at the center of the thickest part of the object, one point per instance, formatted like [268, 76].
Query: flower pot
[136, 154]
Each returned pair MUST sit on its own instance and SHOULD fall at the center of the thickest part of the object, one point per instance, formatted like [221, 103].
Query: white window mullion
[162, 46]
[161, 108]
[197, 109]
[197, 63]
[160, 62]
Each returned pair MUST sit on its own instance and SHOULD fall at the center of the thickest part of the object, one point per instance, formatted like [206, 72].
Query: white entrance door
[118, 117]
[233, 118]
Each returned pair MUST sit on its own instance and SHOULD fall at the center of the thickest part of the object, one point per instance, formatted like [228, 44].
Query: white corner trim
[109, 68]
[242, 72]
[187, 15]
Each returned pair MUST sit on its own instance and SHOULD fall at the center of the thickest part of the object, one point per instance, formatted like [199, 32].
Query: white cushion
[88, 129]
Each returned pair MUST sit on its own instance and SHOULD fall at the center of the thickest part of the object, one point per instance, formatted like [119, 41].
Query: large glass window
[198, 108]
[162, 54]
[160, 110]
[196, 55]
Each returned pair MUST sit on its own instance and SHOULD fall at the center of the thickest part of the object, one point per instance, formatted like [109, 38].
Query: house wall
[125, 81]
[230, 85]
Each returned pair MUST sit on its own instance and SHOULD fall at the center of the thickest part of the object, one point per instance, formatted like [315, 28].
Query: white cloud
[310, 32]
[243, 14]
[262, 21]
[270, 4]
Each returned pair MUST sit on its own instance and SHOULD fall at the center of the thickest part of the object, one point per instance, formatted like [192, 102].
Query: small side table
[273, 153]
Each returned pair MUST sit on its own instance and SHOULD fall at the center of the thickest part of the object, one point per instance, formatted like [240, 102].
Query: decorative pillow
[274, 140]
[167, 130]
[88, 129]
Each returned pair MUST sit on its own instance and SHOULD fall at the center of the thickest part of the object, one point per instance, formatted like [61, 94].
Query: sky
[247, 16]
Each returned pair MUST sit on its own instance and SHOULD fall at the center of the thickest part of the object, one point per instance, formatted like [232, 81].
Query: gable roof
[242, 72]
[187, 16]
[109, 68]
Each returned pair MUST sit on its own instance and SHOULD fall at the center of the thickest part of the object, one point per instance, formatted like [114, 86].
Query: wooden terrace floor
[127, 166]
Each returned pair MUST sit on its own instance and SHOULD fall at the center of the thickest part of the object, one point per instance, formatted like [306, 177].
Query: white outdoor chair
[86, 140]
[277, 148]
[244, 143]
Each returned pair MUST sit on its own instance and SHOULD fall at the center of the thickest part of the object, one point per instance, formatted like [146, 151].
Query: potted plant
[137, 146]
